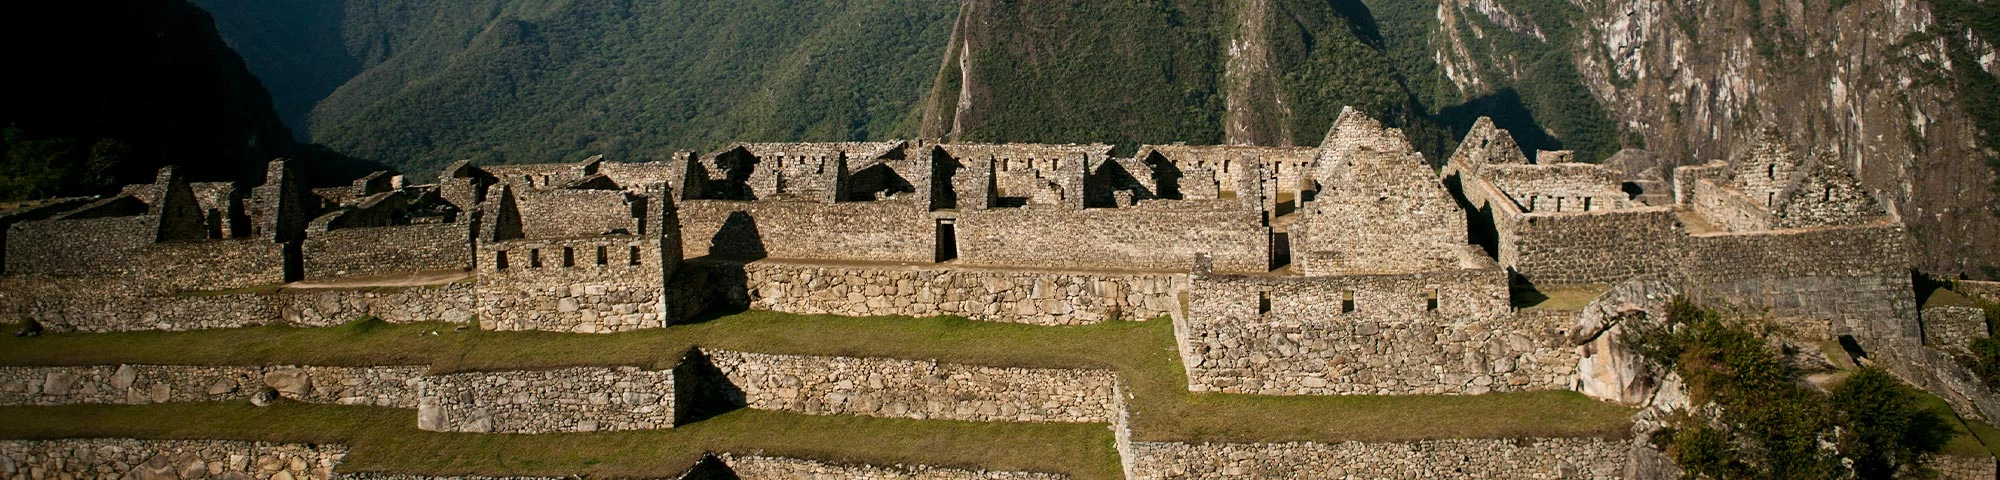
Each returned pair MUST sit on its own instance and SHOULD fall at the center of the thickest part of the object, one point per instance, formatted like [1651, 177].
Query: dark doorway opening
[947, 240]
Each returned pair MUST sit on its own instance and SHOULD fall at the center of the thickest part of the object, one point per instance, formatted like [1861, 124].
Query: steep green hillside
[1509, 59]
[1137, 71]
[527, 81]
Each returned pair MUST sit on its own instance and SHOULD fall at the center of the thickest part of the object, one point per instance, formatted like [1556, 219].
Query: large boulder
[1608, 369]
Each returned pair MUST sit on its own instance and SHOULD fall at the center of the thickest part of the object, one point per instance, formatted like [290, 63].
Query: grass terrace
[1143, 354]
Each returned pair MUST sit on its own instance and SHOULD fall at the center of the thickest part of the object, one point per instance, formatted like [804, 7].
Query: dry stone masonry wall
[1437, 333]
[915, 389]
[1039, 297]
[140, 384]
[583, 285]
[582, 399]
[759, 467]
[69, 304]
[1557, 458]
[166, 459]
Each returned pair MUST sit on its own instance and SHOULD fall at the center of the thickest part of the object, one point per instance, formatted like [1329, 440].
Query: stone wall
[210, 265]
[759, 467]
[140, 384]
[1548, 458]
[1039, 297]
[1369, 335]
[90, 305]
[1587, 247]
[1730, 208]
[1986, 290]
[577, 213]
[1154, 235]
[1951, 467]
[917, 389]
[95, 246]
[158, 459]
[349, 252]
[585, 285]
[582, 399]
[890, 230]
[1563, 187]
[1953, 328]
[1821, 281]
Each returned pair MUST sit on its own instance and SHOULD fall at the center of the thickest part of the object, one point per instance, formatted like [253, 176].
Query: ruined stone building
[1353, 267]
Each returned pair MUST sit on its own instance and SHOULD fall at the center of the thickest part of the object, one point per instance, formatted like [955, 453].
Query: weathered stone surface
[377, 386]
[1040, 297]
[167, 460]
[917, 389]
[1953, 328]
[759, 467]
[544, 401]
[1565, 458]
[1607, 368]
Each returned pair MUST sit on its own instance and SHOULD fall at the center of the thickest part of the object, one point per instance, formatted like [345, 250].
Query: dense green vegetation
[520, 81]
[1978, 90]
[1766, 423]
[1121, 71]
[1533, 88]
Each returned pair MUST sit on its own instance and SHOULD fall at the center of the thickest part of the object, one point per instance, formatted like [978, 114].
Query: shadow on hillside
[1508, 113]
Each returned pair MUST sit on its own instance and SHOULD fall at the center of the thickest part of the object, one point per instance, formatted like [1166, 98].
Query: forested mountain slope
[1903, 89]
[535, 81]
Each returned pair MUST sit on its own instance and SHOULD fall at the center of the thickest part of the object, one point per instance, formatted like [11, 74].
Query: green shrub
[1888, 430]
[1770, 424]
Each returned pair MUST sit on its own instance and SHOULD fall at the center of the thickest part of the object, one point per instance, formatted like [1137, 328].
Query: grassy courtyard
[1142, 353]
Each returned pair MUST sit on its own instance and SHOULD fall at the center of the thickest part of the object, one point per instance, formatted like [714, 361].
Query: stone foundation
[758, 467]
[1037, 297]
[81, 305]
[166, 459]
[141, 384]
[583, 399]
[1563, 458]
[916, 389]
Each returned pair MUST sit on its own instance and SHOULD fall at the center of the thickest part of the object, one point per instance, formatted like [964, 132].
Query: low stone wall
[405, 476]
[351, 252]
[758, 467]
[1974, 288]
[1434, 333]
[1953, 328]
[916, 389]
[1566, 458]
[1036, 297]
[1964, 468]
[141, 384]
[583, 285]
[160, 459]
[1822, 282]
[583, 399]
[83, 305]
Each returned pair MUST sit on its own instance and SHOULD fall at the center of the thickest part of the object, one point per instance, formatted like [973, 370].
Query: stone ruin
[1354, 267]
[1277, 262]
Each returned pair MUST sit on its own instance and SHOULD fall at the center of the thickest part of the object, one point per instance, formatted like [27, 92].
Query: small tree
[1888, 430]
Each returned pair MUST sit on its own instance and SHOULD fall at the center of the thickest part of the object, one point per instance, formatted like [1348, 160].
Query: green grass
[1972, 438]
[1143, 353]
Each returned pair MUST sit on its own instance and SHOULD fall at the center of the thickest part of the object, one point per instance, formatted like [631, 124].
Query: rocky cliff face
[1870, 81]
[1880, 84]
